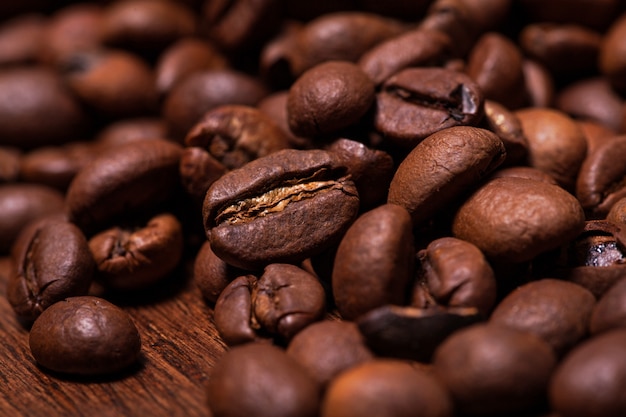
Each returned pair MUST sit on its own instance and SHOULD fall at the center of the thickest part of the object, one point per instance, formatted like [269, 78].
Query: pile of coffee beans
[394, 208]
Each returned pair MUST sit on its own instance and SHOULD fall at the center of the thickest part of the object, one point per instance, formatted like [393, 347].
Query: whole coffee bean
[127, 130]
[557, 311]
[442, 167]
[36, 93]
[612, 59]
[233, 312]
[259, 379]
[496, 64]
[123, 180]
[52, 262]
[328, 348]
[556, 143]
[610, 311]
[386, 387]
[370, 272]
[211, 274]
[236, 134]
[22, 203]
[417, 102]
[507, 126]
[20, 39]
[198, 93]
[494, 370]
[418, 47]
[284, 207]
[600, 180]
[85, 336]
[137, 256]
[183, 58]
[10, 160]
[595, 133]
[617, 214]
[455, 19]
[454, 273]
[198, 170]
[539, 84]
[590, 380]
[115, 83]
[329, 97]
[515, 219]
[275, 106]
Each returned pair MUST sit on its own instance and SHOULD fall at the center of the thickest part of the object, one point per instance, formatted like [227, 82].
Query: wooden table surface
[179, 347]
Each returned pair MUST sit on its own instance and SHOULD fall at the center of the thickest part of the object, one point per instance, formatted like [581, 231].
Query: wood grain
[179, 347]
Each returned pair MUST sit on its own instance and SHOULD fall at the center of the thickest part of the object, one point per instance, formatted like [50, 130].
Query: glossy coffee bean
[417, 102]
[610, 310]
[284, 207]
[211, 274]
[507, 126]
[442, 167]
[369, 273]
[595, 133]
[52, 262]
[135, 257]
[261, 380]
[198, 170]
[85, 336]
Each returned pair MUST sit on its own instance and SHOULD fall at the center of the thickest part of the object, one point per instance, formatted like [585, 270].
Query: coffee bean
[211, 274]
[539, 84]
[10, 160]
[284, 207]
[126, 130]
[85, 336]
[612, 59]
[417, 102]
[507, 126]
[609, 312]
[20, 39]
[198, 170]
[617, 214]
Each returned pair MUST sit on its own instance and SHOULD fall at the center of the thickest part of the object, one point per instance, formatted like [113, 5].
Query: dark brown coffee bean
[590, 380]
[491, 370]
[52, 262]
[21, 38]
[595, 133]
[455, 19]
[600, 180]
[442, 167]
[612, 59]
[539, 84]
[124, 180]
[10, 160]
[329, 97]
[198, 170]
[368, 272]
[275, 106]
[418, 102]
[557, 311]
[515, 219]
[183, 58]
[235, 134]
[414, 48]
[454, 273]
[85, 336]
[114, 82]
[495, 63]
[37, 93]
[22, 203]
[261, 380]
[610, 311]
[386, 387]
[127, 130]
[507, 126]
[135, 257]
[211, 274]
[328, 348]
[410, 332]
[617, 214]
[556, 143]
[146, 25]
[198, 93]
[284, 207]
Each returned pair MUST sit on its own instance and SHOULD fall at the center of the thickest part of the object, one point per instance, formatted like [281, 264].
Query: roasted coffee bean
[211, 274]
[10, 160]
[369, 273]
[557, 311]
[279, 56]
[127, 130]
[454, 18]
[198, 170]
[617, 214]
[52, 262]
[610, 310]
[527, 172]
[284, 207]
[600, 181]
[126, 179]
[280, 303]
[495, 63]
[515, 219]
[590, 380]
[22, 203]
[135, 257]
[494, 370]
[454, 273]
[329, 97]
[442, 167]
[612, 59]
[198, 93]
[261, 380]
[328, 348]
[236, 134]
[539, 83]
[275, 106]
[85, 336]
[386, 387]
[183, 58]
[417, 102]
[37, 93]
[507, 126]
[595, 133]
[412, 333]
[20, 39]
[556, 143]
